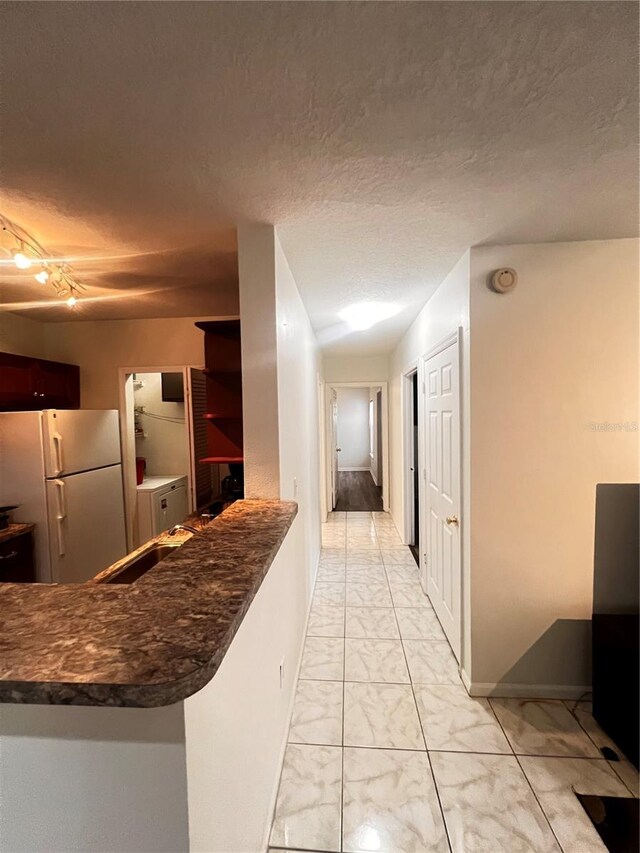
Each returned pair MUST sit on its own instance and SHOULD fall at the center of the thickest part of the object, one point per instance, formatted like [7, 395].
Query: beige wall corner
[299, 377]
[256, 268]
[552, 362]
[22, 336]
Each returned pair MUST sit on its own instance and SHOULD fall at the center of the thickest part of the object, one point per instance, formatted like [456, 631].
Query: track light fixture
[55, 272]
[21, 259]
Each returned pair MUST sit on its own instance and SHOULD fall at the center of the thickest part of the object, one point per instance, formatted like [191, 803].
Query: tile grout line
[517, 755]
[522, 770]
[599, 748]
[344, 664]
[344, 638]
[415, 703]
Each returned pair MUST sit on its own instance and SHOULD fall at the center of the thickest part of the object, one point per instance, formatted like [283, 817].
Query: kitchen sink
[138, 566]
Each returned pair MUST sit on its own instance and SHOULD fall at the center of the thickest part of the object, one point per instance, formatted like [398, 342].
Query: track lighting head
[22, 261]
[56, 272]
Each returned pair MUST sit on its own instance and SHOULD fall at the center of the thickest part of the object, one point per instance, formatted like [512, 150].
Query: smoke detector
[503, 280]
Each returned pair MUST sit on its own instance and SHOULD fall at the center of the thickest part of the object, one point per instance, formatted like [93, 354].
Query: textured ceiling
[382, 139]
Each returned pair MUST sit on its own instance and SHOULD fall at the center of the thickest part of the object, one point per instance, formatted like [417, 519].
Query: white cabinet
[162, 502]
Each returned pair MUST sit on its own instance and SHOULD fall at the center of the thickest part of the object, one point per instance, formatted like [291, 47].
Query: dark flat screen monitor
[615, 613]
[172, 388]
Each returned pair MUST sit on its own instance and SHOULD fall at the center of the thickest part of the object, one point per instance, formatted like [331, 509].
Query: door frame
[407, 448]
[327, 461]
[454, 338]
[128, 445]
[333, 448]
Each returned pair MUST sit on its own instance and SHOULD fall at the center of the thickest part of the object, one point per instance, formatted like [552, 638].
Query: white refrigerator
[63, 468]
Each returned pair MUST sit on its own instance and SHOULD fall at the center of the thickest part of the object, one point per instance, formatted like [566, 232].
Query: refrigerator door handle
[61, 515]
[57, 449]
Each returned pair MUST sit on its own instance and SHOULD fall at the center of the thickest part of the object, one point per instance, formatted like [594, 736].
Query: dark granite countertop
[150, 643]
[13, 530]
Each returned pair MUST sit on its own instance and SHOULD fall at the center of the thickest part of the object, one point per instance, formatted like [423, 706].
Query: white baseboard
[466, 681]
[505, 690]
[352, 468]
[395, 524]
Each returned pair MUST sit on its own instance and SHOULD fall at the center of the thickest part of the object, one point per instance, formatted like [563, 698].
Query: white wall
[101, 347]
[446, 311]
[353, 429]
[540, 366]
[165, 445]
[299, 381]
[549, 360]
[22, 336]
[92, 780]
[281, 374]
[236, 727]
[257, 274]
[365, 369]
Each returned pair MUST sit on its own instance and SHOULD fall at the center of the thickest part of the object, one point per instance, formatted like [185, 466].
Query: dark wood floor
[358, 493]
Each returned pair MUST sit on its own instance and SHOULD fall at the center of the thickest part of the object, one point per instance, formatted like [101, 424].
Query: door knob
[452, 519]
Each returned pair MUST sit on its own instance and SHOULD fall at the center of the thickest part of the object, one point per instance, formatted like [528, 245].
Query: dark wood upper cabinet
[223, 359]
[28, 384]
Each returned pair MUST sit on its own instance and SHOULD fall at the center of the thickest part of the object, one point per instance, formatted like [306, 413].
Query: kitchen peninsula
[171, 673]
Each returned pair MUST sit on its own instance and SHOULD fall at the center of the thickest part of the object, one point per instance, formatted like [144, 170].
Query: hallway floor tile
[375, 660]
[489, 805]
[317, 713]
[390, 803]
[554, 781]
[372, 623]
[382, 715]
[543, 728]
[387, 751]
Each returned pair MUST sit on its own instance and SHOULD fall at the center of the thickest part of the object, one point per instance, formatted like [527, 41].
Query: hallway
[388, 753]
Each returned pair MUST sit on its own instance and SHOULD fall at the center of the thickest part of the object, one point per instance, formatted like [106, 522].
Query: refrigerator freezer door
[80, 439]
[86, 524]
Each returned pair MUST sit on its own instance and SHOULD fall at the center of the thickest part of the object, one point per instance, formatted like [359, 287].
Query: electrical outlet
[295, 487]
[281, 673]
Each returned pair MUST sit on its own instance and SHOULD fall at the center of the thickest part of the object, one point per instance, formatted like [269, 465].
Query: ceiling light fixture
[20, 259]
[364, 315]
[28, 251]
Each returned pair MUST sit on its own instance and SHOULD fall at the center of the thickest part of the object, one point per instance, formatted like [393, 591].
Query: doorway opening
[157, 437]
[412, 433]
[414, 544]
[357, 465]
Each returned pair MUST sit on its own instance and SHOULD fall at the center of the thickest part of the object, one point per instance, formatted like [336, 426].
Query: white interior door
[442, 510]
[333, 418]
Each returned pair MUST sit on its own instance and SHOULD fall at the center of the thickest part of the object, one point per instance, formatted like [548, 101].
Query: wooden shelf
[223, 388]
[209, 417]
[210, 371]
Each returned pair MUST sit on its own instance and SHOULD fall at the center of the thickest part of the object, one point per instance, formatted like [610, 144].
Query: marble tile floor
[388, 753]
